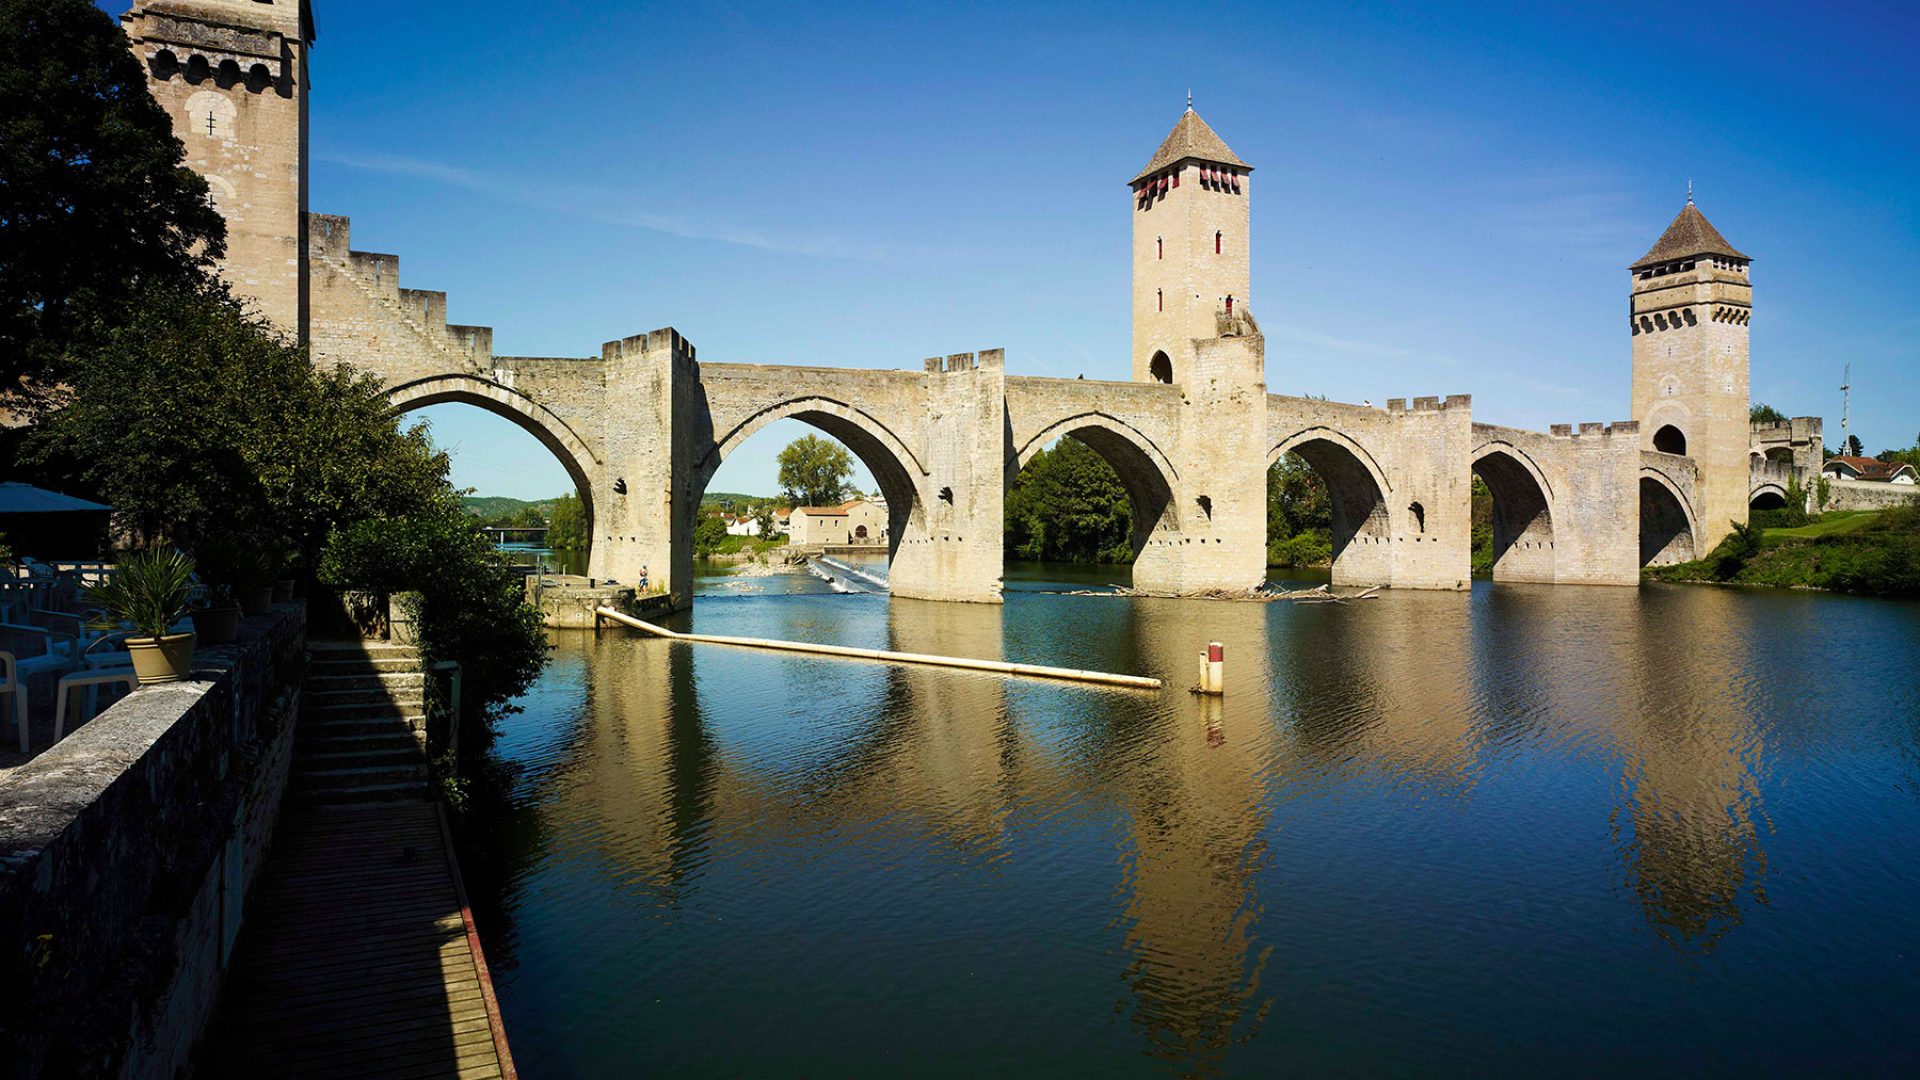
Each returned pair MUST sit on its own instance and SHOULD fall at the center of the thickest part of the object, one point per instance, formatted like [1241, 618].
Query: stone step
[366, 650]
[354, 664]
[375, 724]
[321, 684]
[392, 734]
[361, 793]
[360, 775]
[415, 696]
[407, 753]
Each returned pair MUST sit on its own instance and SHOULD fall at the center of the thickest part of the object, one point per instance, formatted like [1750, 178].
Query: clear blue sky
[1445, 199]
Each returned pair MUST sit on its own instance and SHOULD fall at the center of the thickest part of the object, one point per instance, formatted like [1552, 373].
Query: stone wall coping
[39, 800]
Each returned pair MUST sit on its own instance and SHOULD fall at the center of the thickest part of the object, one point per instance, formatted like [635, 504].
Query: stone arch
[894, 465]
[1362, 531]
[1161, 367]
[1669, 439]
[1767, 496]
[1523, 547]
[1144, 469]
[553, 433]
[1667, 529]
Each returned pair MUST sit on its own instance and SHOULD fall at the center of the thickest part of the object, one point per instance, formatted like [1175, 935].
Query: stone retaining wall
[1868, 495]
[125, 854]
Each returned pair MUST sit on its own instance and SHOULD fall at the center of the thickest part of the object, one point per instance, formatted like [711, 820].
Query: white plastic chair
[16, 688]
[92, 681]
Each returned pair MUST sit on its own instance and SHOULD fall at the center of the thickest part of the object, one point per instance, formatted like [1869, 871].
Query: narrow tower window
[1159, 248]
[1160, 299]
[1216, 243]
[1229, 303]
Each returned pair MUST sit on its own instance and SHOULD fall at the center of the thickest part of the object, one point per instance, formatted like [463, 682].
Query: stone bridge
[642, 428]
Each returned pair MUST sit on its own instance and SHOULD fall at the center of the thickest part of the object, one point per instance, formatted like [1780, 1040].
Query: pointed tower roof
[1690, 234]
[1190, 138]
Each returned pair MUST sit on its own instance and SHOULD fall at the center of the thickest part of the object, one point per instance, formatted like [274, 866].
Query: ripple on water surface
[1571, 830]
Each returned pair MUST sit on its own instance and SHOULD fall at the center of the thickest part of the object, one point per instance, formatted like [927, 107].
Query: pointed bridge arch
[1359, 492]
[1523, 519]
[1145, 471]
[566, 445]
[894, 464]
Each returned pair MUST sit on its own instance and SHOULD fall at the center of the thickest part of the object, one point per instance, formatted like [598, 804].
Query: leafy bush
[473, 607]
[1786, 517]
[1311, 548]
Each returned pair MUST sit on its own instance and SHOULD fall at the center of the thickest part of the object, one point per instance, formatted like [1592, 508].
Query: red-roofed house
[1872, 470]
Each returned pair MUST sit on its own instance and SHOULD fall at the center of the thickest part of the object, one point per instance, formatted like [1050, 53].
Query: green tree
[1299, 514]
[193, 419]
[1766, 414]
[1854, 447]
[1068, 505]
[567, 525]
[96, 200]
[765, 522]
[710, 535]
[815, 471]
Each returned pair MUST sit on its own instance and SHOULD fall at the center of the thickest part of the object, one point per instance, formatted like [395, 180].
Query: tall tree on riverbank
[1068, 505]
[96, 201]
[814, 472]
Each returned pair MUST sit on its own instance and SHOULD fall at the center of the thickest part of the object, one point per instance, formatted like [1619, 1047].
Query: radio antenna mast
[1846, 406]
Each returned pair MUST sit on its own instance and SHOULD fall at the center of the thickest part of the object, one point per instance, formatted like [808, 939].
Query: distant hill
[718, 500]
[495, 507]
[491, 507]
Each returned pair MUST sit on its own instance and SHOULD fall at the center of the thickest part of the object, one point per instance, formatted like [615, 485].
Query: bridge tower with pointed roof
[1692, 301]
[1190, 248]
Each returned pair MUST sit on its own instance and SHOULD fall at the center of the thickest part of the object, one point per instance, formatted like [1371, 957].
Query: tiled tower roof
[1190, 138]
[1690, 234]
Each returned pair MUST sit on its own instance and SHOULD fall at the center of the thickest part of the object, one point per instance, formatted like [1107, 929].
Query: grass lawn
[1836, 523]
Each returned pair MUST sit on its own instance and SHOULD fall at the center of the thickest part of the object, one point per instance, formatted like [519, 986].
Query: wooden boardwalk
[358, 956]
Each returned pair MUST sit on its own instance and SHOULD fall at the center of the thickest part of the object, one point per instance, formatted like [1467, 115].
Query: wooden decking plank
[359, 958]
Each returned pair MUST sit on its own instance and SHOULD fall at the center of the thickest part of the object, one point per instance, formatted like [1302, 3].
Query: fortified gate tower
[233, 75]
[1692, 299]
[1190, 248]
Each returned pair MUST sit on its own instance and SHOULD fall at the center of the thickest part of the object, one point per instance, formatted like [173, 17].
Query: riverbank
[1871, 554]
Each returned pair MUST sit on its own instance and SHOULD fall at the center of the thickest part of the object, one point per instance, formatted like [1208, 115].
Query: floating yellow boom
[998, 667]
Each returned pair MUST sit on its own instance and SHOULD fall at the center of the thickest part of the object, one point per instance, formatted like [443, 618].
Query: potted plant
[216, 618]
[234, 564]
[149, 593]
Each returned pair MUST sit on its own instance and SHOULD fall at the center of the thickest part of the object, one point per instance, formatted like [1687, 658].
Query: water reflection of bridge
[1321, 698]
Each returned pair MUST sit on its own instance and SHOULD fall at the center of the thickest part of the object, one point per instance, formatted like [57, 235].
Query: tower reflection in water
[1366, 759]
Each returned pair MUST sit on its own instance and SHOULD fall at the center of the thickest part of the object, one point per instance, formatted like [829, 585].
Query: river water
[1525, 830]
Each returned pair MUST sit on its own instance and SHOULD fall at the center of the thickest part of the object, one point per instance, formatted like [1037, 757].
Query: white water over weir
[997, 667]
[845, 577]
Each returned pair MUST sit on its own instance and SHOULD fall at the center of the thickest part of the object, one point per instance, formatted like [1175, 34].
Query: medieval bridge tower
[642, 425]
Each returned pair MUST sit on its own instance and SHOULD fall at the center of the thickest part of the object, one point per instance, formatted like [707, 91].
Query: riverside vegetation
[1867, 552]
[149, 387]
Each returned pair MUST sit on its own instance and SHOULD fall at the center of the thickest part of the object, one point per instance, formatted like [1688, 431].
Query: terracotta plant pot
[254, 599]
[283, 590]
[217, 625]
[163, 659]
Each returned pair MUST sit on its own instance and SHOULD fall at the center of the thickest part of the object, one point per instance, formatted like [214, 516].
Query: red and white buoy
[1213, 662]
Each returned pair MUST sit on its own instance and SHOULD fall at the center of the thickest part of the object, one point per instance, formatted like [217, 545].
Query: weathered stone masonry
[641, 427]
[126, 851]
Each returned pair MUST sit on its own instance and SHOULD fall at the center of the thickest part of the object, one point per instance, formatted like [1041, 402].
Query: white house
[1868, 469]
